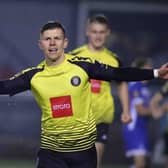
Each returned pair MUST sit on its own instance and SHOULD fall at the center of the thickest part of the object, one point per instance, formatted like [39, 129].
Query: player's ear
[65, 43]
[40, 45]
[87, 30]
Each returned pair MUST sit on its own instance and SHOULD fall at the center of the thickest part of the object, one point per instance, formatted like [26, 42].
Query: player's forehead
[97, 26]
[53, 32]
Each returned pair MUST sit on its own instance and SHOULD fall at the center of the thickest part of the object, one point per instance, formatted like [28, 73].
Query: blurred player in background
[160, 102]
[135, 134]
[97, 32]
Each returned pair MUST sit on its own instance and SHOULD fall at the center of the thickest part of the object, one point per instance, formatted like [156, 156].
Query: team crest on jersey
[75, 80]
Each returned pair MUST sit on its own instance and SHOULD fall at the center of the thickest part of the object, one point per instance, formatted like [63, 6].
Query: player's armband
[156, 73]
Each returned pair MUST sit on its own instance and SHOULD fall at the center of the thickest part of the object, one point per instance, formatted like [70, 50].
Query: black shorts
[102, 133]
[165, 137]
[52, 159]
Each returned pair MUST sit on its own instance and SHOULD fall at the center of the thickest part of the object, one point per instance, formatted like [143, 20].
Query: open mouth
[53, 50]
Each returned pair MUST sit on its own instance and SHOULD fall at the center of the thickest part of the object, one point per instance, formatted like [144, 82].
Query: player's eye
[47, 38]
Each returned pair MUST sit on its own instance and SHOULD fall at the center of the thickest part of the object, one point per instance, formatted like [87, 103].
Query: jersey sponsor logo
[61, 106]
[75, 81]
[95, 86]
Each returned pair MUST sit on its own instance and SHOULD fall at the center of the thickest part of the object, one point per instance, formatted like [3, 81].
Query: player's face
[97, 34]
[53, 43]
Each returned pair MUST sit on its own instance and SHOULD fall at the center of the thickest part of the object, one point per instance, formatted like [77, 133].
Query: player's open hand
[163, 71]
[126, 118]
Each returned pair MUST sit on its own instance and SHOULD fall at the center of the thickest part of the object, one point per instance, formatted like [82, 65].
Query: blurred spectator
[157, 101]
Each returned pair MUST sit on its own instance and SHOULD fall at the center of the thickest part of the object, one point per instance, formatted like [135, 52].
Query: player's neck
[95, 49]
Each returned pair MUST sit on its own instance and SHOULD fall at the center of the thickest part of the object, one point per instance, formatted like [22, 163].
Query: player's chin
[53, 57]
[99, 45]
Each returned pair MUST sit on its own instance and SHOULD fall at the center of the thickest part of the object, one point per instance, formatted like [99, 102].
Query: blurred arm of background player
[124, 99]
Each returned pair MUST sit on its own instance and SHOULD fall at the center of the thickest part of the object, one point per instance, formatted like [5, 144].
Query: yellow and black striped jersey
[102, 99]
[63, 94]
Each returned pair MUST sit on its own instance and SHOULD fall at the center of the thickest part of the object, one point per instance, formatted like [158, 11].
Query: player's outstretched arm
[12, 86]
[18, 83]
[104, 72]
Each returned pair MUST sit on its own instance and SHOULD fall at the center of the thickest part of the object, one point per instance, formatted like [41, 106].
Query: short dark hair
[52, 25]
[99, 18]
